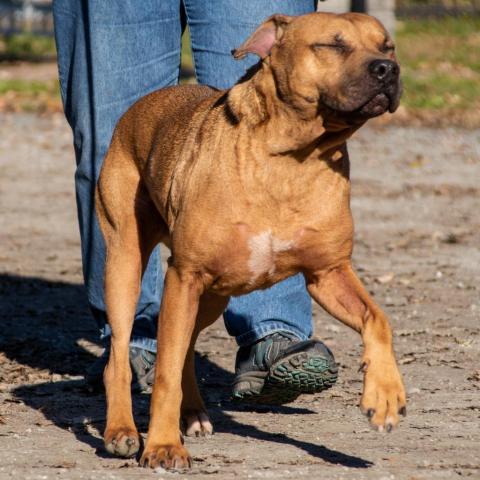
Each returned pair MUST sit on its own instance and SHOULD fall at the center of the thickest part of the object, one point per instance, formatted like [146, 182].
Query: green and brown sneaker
[142, 363]
[278, 368]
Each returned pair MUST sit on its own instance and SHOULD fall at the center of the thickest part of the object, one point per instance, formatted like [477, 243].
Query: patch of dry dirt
[39, 72]
[416, 206]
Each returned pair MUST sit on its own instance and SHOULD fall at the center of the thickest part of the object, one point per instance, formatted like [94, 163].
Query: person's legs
[109, 55]
[216, 28]
[275, 362]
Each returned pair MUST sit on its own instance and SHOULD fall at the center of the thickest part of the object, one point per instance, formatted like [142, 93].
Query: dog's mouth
[377, 105]
[382, 101]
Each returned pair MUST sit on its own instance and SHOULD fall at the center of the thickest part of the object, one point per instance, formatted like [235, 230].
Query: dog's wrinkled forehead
[352, 30]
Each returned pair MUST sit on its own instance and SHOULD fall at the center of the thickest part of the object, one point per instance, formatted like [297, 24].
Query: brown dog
[247, 187]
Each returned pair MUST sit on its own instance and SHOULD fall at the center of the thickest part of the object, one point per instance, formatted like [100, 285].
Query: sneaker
[280, 367]
[142, 363]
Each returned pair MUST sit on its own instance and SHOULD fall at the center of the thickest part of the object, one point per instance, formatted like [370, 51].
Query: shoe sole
[289, 378]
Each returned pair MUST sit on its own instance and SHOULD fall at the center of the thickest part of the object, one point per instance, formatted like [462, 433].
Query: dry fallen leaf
[388, 277]
[475, 376]
[407, 360]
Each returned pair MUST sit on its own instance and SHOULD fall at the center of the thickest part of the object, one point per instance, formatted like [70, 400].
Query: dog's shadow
[45, 326]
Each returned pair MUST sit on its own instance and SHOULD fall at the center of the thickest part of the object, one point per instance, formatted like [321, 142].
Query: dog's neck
[287, 129]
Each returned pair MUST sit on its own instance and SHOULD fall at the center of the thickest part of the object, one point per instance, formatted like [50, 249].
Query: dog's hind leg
[195, 420]
[127, 219]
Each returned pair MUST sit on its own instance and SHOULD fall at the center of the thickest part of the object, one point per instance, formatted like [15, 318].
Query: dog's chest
[257, 232]
[264, 250]
[251, 259]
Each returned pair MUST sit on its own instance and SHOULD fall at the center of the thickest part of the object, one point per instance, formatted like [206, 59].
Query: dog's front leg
[178, 312]
[340, 292]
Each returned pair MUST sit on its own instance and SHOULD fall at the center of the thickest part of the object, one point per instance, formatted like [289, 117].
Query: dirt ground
[416, 201]
[40, 72]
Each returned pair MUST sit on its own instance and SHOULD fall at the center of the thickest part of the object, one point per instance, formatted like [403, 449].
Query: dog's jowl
[246, 186]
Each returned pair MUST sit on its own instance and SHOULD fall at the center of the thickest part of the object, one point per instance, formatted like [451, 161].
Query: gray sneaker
[142, 363]
[280, 367]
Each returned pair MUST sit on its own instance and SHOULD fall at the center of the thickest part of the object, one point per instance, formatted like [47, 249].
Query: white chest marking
[264, 248]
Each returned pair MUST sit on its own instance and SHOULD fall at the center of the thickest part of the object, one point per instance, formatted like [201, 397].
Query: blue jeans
[111, 53]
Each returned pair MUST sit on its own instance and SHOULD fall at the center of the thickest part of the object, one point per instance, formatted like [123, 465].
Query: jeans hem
[149, 344]
[146, 343]
[247, 338]
[267, 328]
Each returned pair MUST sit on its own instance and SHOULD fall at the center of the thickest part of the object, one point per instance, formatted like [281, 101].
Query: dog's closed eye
[387, 46]
[337, 43]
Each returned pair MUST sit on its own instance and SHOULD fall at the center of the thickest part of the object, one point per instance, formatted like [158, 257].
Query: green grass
[450, 26]
[440, 92]
[440, 63]
[29, 96]
[28, 86]
[26, 46]
[187, 60]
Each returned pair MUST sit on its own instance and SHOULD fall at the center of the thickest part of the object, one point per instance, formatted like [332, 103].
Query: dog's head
[338, 65]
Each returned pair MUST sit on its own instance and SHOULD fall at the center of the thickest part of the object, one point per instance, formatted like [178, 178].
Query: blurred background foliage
[27, 46]
[440, 61]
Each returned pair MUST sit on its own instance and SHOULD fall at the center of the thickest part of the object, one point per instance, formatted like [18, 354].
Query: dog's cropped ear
[264, 37]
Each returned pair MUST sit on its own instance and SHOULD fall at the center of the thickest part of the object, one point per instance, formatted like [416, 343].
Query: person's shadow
[46, 325]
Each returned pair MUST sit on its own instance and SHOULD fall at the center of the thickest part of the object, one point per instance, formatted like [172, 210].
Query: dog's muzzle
[385, 73]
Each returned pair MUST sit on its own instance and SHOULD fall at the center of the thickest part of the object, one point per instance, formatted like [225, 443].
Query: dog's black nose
[384, 70]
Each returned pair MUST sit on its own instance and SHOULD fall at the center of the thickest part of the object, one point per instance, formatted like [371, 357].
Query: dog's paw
[175, 457]
[196, 423]
[123, 442]
[383, 399]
